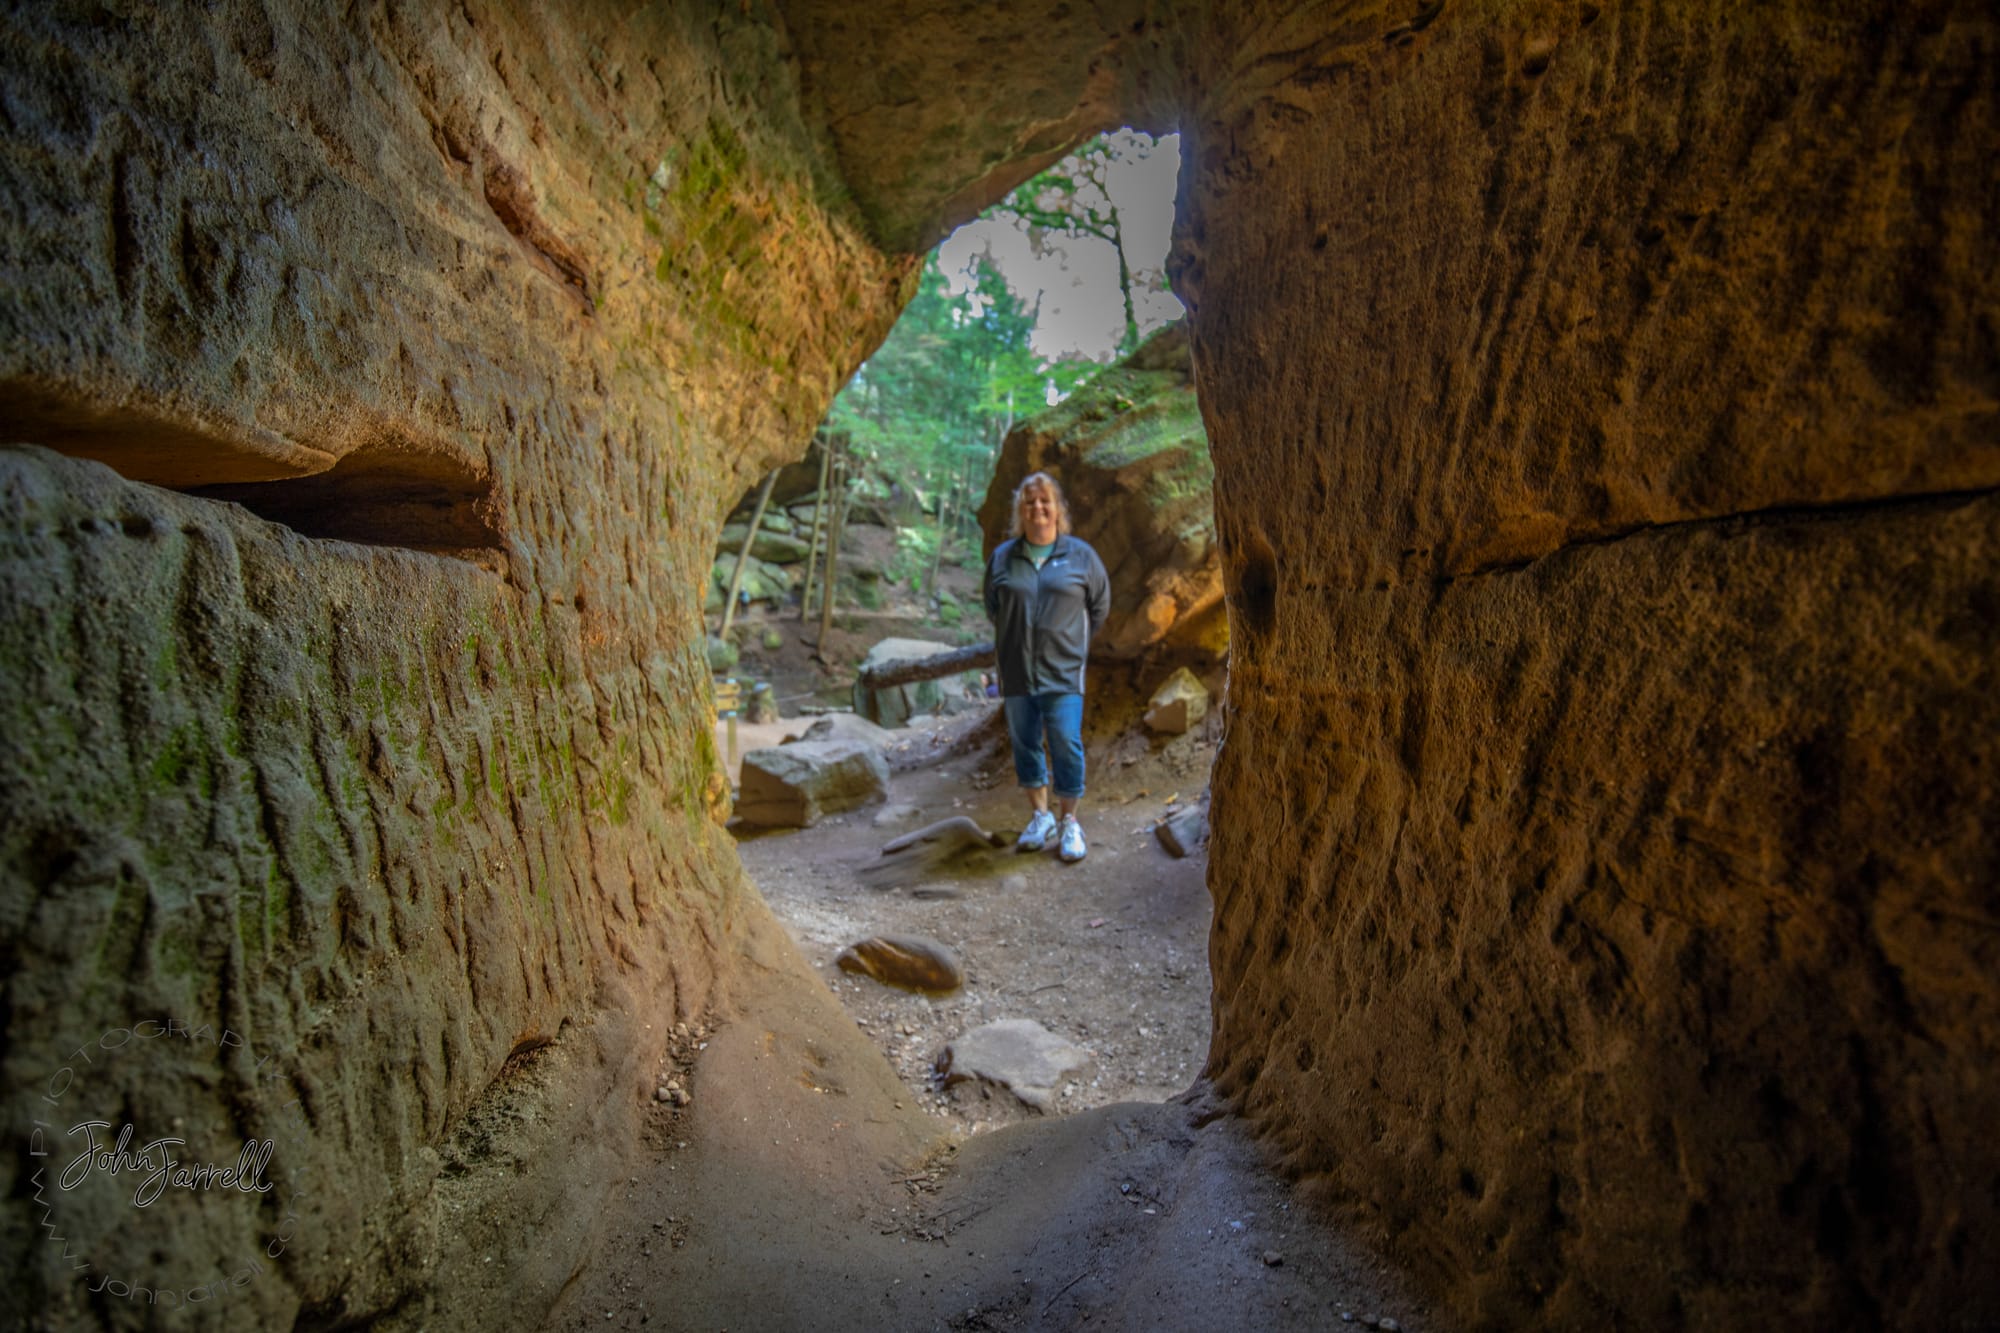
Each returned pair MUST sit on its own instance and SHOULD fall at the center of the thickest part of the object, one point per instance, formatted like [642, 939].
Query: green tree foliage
[1075, 200]
[928, 411]
[923, 420]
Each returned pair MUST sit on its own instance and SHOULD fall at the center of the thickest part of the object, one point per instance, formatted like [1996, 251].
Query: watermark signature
[114, 1186]
[154, 1162]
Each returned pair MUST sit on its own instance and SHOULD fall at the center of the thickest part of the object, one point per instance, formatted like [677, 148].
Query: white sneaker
[1036, 836]
[1072, 839]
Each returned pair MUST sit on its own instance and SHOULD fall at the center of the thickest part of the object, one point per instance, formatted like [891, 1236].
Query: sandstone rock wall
[1603, 400]
[519, 299]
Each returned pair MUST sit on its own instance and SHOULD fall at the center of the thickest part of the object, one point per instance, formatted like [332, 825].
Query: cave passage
[1597, 445]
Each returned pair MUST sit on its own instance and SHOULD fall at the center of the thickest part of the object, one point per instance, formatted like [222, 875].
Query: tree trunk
[826, 449]
[1130, 340]
[944, 535]
[928, 668]
[743, 556]
[832, 576]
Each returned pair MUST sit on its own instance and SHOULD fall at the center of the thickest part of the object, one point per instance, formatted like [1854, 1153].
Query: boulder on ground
[895, 706]
[907, 962]
[848, 727]
[762, 705]
[1132, 456]
[777, 548]
[1018, 1054]
[762, 581]
[795, 786]
[1178, 704]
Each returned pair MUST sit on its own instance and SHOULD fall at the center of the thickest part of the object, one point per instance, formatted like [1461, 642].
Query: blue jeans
[1058, 716]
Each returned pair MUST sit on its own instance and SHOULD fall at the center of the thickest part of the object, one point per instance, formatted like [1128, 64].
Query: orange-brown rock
[1133, 461]
[489, 313]
[1603, 404]
[907, 962]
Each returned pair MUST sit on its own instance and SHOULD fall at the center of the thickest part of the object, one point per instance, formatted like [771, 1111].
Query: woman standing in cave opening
[1046, 592]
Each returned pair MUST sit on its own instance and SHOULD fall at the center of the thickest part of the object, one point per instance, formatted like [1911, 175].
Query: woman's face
[1038, 516]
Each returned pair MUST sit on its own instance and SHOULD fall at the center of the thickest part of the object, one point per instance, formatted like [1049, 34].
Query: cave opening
[1042, 337]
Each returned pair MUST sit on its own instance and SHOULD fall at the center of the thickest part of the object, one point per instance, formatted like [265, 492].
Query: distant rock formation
[1132, 458]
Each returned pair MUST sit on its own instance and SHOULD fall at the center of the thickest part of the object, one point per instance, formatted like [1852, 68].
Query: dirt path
[798, 1191]
[818, 1178]
[1110, 953]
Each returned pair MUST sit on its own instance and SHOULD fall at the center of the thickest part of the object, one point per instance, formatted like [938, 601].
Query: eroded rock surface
[407, 789]
[1604, 455]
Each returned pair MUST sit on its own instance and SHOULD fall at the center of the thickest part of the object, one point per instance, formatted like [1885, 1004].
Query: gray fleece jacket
[1043, 618]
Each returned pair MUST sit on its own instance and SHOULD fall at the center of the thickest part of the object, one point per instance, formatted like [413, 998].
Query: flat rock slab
[1019, 1054]
[907, 962]
[849, 727]
[895, 706]
[794, 786]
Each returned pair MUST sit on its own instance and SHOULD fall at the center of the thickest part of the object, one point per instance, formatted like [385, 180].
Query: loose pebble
[1272, 1258]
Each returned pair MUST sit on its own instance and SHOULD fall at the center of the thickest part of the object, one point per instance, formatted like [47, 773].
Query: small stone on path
[1018, 1054]
[1185, 830]
[908, 962]
[1178, 704]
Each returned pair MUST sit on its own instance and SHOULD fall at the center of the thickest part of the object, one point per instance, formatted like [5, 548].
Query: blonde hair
[1040, 481]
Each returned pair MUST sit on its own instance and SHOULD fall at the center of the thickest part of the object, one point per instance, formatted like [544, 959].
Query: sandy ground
[818, 1177]
[1110, 953]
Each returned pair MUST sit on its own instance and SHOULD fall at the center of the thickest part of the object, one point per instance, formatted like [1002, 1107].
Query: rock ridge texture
[417, 807]
[1602, 400]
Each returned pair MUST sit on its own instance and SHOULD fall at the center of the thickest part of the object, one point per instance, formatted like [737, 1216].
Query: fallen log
[928, 668]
